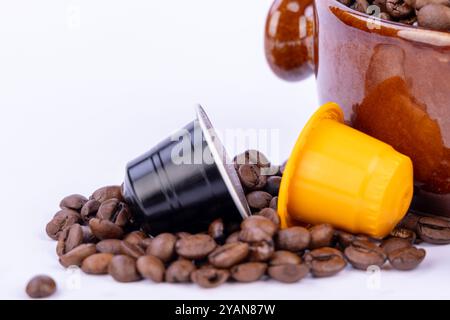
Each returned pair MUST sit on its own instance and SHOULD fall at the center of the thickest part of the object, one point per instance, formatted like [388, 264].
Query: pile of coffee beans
[99, 235]
[431, 14]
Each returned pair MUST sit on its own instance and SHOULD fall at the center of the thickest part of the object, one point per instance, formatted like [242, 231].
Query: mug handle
[289, 39]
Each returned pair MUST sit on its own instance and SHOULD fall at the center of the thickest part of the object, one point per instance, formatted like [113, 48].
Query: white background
[86, 85]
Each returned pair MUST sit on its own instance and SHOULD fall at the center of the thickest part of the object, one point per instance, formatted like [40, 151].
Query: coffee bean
[272, 215]
[216, 230]
[180, 271]
[90, 210]
[409, 222]
[150, 267]
[363, 254]
[114, 211]
[321, 236]
[74, 202]
[76, 256]
[252, 157]
[258, 200]
[393, 244]
[135, 237]
[228, 255]
[62, 220]
[210, 277]
[293, 239]
[234, 237]
[132, 250]
[251, 177]
[106, 193]
[283, 257]
[288, 273]
[434, 16]
[112, 246]
[162, 247]
[105, 229]
[404, 234]
[97, 263]
[194, 247]
[254, 235]
[40, 287]
[261, 223]
[123, 269]
[325, 262]
[274, 203]
[261, 251]
[146, 243]
[434, 230]
[181, 235]
[406, 258]
[398, 9]
[273, 185]
[249, 272]
[69, 239]
[344, 239]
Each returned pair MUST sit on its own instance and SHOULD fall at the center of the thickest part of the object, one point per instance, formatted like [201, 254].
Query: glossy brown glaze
[393, 82]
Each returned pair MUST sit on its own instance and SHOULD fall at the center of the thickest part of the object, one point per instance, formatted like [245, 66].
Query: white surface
[87, 85]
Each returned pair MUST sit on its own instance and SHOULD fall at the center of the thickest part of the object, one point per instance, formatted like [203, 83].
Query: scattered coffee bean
[76, 256]
[251, 177]
[288, 273]
[150, 267]
[272, 215]
[123, 269]
[363, 254]
[97, 263]
[321, 236]
[146, 243]
[234, 237]
[325, 262]
[293, 239]
[40, 287]
[249, 272]
[195, 247]
[410, 222]
[90, 210]
[283, 257]
[180, 271]
[434, 230]
[210, 277]
[259, 223]
[112, 246]
[404, 234]
[273, 185]
[106, 193]
[274, 203]
[69, 239]
[135, 237]
[114, 211]
[105, 229]
[406, 258]
[62, 220]
[252, 157]
[163, 247]
[258, 200]
[216, 230]
[132, 250]
[434, 16]
[261, 251]
[228, 255]
[74, 202]
[392, 244]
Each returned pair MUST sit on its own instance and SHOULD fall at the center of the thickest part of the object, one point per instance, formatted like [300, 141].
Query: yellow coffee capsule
[341, 176]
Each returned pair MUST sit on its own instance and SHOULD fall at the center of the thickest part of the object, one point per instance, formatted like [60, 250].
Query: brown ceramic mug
[392, 80]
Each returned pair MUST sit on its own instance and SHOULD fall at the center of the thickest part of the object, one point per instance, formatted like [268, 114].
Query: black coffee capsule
[185, 182]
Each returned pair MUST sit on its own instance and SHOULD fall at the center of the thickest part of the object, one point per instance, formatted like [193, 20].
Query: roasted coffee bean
[258, 200]
[261, 251]
[216, 230]
[434, 230]
[106, 193]
[361, 5]
[40, 287]
[114, 211]
[272, 215]
[133, 250]
[123, 269]
[254, 235]
[321, 236]
[97, 263]
[248, 272]
[195, 247]
[181, 235]
[163, 247]
[273, 185]
[325, 262]
[150, 267]
[146, 243]
[251, 177]
[288, 273]
[76, 256]
[105, 229]
[74, 202]
[62, 220]
[344, 239]
[398, 9]
[404, 234]
[283, 257]
[112, 246]
[293, 239]
[234, 237]
[392, 244]
[363, 254]
[210, 277]
[69, 239]
[274, 203]
[261, 223]
[180, 271]
[252, 157]
[407, 258]
[228, 255]
[135, 237]
[89, 210]
[409, 222]
[434, 16]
